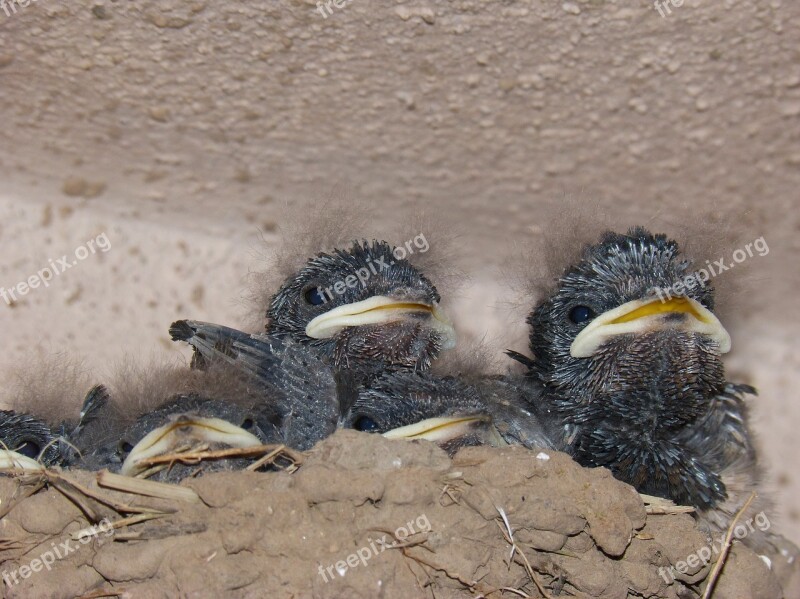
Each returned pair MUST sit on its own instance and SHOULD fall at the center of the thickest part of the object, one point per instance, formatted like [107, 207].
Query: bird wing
[301, 390]
[722, 436]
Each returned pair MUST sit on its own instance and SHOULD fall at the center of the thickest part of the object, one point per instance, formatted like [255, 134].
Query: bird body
[321, 346]
[295, 393]
[638, 379]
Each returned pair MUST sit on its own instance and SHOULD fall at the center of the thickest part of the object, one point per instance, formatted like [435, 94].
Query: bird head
[414, 406]
[184, 423]
[631, 331]
[27, 442]
[363, 307]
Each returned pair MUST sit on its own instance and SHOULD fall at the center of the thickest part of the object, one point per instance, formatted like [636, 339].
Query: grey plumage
[478, 411]
[406, 329]
[640, 384]
[137, 401]
[393, 400]
[340, 321]
[30, 437]
[296, 392]
[178, 425]
[52, 445]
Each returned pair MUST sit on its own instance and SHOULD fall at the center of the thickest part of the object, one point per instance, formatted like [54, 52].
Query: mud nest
[367, 517]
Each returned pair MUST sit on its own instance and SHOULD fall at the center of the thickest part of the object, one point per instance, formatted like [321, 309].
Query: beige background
[182, 129]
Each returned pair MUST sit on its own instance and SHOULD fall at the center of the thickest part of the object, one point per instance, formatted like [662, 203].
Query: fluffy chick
[172, 409]
[295, 392]
[362, 309]
[453, 412]
[640, 382]
[27, 442]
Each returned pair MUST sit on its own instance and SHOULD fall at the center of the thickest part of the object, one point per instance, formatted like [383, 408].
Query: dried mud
[410, 521]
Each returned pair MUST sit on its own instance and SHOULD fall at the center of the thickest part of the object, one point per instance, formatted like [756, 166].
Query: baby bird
[362, 309]
[31, 431]
[27, 442]
[635, 370]
[342, 319]
[453, 412]
[171, 410]
[183, 423]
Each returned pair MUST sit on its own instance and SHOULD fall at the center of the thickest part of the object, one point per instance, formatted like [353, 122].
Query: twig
[11, 504]
[129, 521]
[235, 452]
[148, 488]
[107, 501]
[516, 592]
[455, 576]
[723, 554]
[657, 506]
[509, 535]
[280, 449]
[71, 492]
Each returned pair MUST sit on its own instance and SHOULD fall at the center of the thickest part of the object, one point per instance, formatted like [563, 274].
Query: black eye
[314, 296]
[247, 424]
[581, 314]
[365, 424]
[125, 447]
[29, 449]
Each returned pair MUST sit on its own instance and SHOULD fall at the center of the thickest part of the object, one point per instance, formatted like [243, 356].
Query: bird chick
[451, 411]
[46, 421]
[184, 423]
[167, 410]
[636, 372]
[362, 309]
[27, 442]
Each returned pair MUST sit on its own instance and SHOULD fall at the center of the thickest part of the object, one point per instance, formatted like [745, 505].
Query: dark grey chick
[452, 412]
[639, 381]
[183, 423]
[362, 309]
[171, 410]
[27, 443]
[344, 318]
[38, 441]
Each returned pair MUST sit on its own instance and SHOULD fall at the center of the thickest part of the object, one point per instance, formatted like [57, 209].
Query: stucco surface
[182, 130]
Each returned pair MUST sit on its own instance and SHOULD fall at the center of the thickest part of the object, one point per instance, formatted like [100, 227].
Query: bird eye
[29, 449]
[125, 447]
[581, 314]
[314, 296]
[365, 424]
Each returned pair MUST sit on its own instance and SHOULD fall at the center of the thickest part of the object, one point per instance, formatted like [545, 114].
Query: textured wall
[180, 128]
